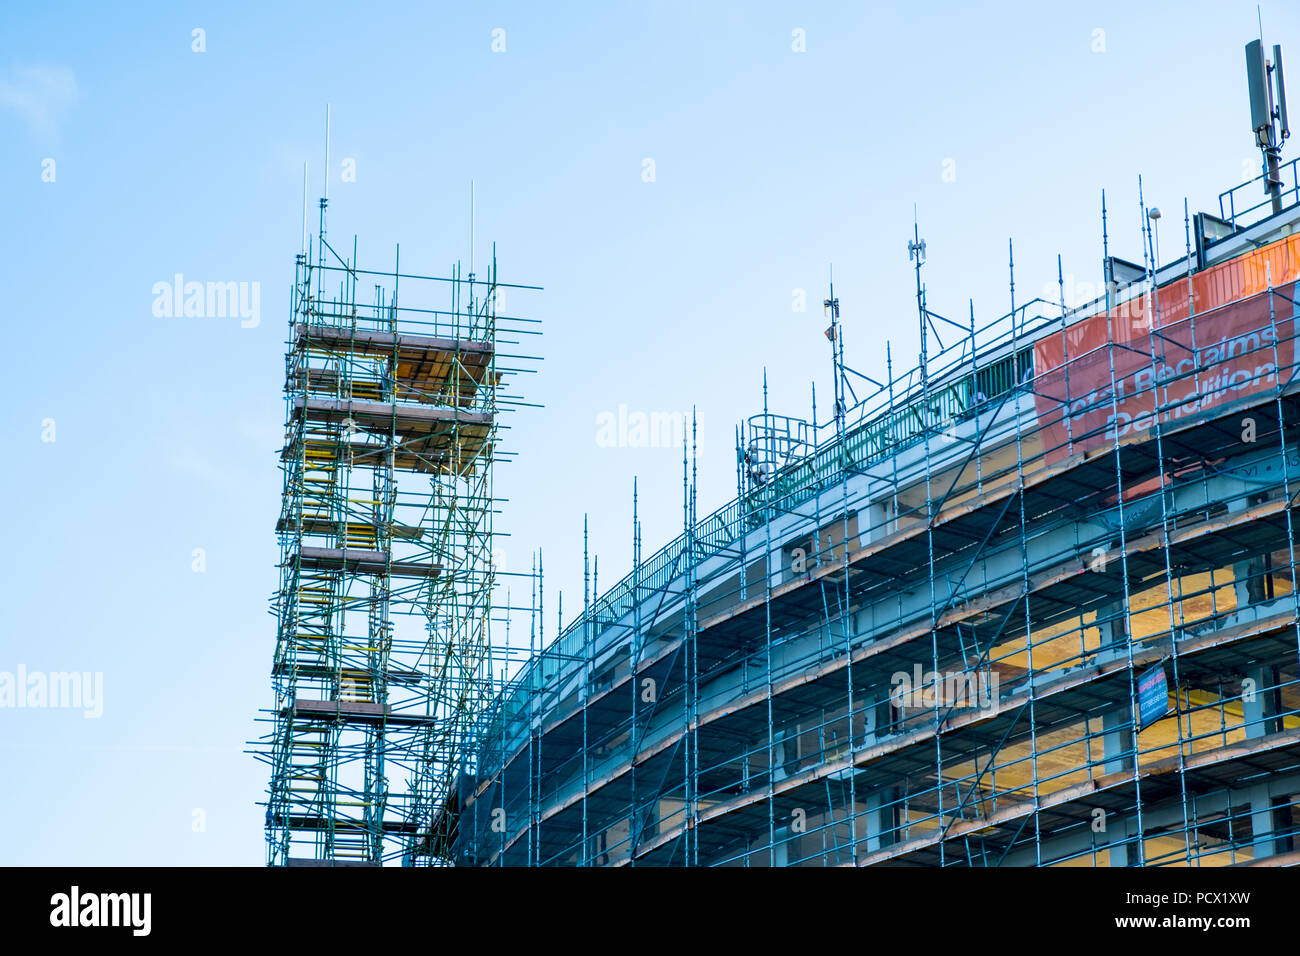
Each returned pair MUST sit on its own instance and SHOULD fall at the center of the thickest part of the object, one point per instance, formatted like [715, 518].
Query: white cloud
[40, 95]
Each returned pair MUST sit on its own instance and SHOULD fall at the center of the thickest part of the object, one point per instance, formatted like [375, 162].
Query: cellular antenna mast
[916, 253]
[831, 308]
[1268, 116]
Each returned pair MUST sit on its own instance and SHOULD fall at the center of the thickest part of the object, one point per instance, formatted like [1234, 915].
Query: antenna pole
[1105, 253]
[326, 193]
[324, 201]
[831, 307]
[1268, 115]
[1011, 274]
[916, 252]
[1273, 152]
[304, 209]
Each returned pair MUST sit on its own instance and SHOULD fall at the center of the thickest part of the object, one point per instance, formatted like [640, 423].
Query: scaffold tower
[383, 655]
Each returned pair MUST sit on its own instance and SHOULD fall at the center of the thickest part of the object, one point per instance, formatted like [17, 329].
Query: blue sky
[770, 164]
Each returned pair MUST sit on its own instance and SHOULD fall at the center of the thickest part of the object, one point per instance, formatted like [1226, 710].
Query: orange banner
[1112, 372]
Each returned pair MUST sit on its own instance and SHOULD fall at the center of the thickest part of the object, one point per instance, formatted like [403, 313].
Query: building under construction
[1030, 602]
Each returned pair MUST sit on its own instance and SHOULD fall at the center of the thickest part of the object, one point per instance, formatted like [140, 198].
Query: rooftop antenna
[326, 193]
[1011, 272]
[1187, 239]
[1145, 222]
[831, 308]
[473, 211]
[756, 454]
[324, 201]
[916, 252]
[304, 209]
[1153, 215]
[1105, 253]
[1268, 117]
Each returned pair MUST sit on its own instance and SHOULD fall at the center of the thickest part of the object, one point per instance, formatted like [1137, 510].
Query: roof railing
[1236, 207]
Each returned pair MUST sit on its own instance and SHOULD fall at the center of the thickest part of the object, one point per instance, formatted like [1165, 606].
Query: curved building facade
[1032, 604]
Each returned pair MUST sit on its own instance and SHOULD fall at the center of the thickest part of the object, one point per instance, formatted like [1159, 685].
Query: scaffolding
[1031, 602]
[384, 657]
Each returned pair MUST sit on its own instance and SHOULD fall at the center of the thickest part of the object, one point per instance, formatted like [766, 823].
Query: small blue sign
[1153, 696]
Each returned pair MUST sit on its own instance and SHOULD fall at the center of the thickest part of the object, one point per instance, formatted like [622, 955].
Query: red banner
[1114, 373]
